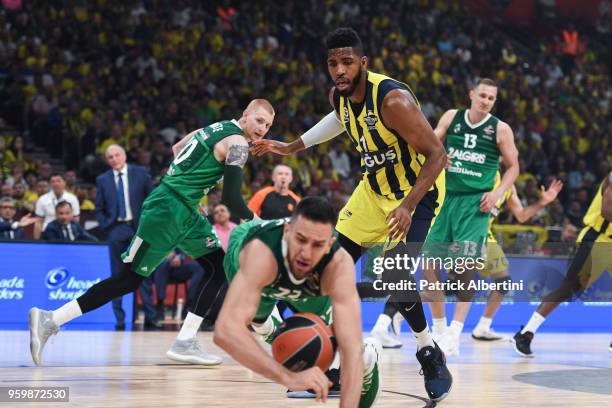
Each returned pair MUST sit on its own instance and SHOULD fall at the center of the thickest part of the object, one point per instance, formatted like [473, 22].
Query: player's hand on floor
[260, 147]
[310, 379]
[399, 221]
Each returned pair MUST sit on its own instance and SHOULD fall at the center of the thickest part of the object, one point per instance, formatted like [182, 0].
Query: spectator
[6, 190]
[9, 227]
[45, 206]
[19, 192]
[569, 233]
[276, 201]
[6, 160]
[177, 268]
[84, 202]
[222, 224]
[65, 227]
[42, 187]
[120, 193]
[71, 178]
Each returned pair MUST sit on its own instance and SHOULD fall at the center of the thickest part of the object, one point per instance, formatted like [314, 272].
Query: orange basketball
[303, 341]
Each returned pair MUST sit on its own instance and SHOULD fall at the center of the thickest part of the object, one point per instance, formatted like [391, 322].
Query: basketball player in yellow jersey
[401, 159]
[591, 259]
[497, 264]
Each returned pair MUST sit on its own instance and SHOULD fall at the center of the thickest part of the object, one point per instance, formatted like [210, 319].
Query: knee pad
[500, 281]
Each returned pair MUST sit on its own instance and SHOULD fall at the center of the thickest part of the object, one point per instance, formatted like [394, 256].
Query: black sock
[212, 286]
[390, 309]
[103, 292]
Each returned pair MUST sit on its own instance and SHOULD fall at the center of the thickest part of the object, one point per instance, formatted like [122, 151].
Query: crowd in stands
[76, 77]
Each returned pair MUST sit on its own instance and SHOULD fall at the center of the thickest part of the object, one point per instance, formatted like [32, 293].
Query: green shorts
[319, 305]
[166, 223]
[460, 229]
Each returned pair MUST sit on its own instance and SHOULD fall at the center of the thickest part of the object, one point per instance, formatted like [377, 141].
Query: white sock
[264, 329]
[439, 325]
[423, 338]
[336, 362]
[67, 312]
[533, 323]
[456, 327]
[382, 324]
[485, 323]
[190, 326]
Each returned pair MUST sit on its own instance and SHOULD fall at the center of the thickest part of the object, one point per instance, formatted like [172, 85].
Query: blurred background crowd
[79, 76]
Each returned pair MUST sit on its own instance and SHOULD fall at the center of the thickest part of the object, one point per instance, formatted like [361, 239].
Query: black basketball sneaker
[438, 380]
[522, 343]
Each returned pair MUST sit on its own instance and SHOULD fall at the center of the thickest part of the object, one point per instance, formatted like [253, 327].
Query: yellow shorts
[362, 220]
[497, 264]
[591, 264]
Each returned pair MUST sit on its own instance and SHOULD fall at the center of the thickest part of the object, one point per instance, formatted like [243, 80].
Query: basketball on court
[304, 341]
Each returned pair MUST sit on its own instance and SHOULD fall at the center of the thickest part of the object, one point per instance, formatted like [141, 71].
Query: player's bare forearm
[296, 146]
[509, 155]
[434, 164]
[231, 333]
[239, 343]
[260, 147]
[402, 114]
[522, 214]
[509, 177]
[339, 283]
[351, 359]
[525, 213]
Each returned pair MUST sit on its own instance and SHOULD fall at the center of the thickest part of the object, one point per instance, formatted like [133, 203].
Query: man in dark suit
[9, 227]
[120, 193]
[65, 227]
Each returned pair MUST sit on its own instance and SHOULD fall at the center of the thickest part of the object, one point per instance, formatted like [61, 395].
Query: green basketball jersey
[285, 286]
[474, 154]
[195, 170]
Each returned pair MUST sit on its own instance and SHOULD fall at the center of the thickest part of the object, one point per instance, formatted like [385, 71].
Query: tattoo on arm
[237, 155]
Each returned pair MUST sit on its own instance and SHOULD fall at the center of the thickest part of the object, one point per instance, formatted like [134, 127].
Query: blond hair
[260, 103]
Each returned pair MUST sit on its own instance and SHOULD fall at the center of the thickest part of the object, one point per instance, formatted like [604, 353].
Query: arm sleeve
[326, 129]
[231, 196]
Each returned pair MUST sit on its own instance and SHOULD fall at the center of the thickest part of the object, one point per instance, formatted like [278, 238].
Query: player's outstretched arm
[509, 155]
[257, 269]
[401, 113]
[547, 196]
[326, 129]
[339, 284]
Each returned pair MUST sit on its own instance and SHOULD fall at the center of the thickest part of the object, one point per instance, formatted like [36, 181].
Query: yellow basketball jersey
[593, 217]
[390, 165]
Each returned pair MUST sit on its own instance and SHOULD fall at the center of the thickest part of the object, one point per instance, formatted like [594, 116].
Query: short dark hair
[344, 37]
[317, 209]
[56, 175]
[486, 81]
[62, 204]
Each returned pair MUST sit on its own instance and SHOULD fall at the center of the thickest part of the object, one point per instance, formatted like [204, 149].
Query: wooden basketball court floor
[129, 369]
